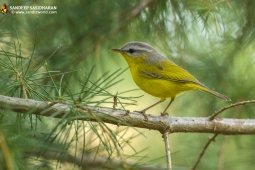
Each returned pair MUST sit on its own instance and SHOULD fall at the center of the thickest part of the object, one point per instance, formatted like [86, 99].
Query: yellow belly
[161, 88]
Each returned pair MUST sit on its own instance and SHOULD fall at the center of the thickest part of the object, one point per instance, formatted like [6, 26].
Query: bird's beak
[116, 50]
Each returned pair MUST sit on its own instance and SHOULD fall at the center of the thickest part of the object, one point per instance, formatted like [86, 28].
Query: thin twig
[167, 148]
[115, 101]
[230, 106]
[203, 151]
[23, 86]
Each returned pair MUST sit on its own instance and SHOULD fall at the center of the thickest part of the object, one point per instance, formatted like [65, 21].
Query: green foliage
[29, 137]
[65, 57]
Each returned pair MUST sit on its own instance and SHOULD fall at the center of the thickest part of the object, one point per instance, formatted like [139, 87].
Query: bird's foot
[143, 113]
[164, 114]
[127, 112]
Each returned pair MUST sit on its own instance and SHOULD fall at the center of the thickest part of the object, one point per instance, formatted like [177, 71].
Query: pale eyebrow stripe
[140, 46]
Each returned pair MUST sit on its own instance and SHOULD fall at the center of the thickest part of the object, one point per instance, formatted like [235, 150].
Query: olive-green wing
[168, 70]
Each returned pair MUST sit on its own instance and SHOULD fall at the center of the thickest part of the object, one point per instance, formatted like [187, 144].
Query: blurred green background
[213, 40]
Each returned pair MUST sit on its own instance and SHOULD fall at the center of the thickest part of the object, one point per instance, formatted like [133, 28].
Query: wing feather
[168, 70]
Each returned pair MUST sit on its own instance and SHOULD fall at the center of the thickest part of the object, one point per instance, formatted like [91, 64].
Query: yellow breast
[162, 86]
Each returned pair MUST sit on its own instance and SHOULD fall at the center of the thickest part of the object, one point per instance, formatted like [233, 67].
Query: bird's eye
[131, 50]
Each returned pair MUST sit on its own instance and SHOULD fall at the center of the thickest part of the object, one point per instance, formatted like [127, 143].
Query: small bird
[157, 75]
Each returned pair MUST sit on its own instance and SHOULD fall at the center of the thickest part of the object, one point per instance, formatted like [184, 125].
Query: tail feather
[206, 89]
[216, 94]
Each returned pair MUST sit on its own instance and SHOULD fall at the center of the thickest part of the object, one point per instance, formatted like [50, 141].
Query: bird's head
[135, 50]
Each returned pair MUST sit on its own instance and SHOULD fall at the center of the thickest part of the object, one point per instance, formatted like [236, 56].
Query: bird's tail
[215, 94]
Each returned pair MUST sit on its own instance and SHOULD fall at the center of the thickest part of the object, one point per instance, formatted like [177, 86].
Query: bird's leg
[164, 112]
[143, 111]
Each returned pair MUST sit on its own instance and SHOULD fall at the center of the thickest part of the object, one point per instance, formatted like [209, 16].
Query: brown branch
[203, 151]
[230, 106]
[224, 126]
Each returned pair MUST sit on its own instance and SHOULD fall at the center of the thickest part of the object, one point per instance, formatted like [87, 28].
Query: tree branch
[172, 124]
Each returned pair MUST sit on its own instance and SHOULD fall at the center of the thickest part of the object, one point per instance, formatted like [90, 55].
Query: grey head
[136, 49]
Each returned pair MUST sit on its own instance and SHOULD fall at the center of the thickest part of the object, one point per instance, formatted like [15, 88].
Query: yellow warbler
[157, 75]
